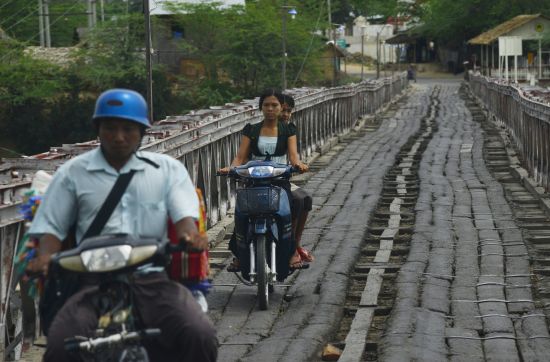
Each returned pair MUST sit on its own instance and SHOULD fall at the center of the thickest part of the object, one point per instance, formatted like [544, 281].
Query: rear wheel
[261, 268]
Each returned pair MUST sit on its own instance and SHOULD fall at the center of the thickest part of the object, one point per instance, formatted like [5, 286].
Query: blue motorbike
[263, 224]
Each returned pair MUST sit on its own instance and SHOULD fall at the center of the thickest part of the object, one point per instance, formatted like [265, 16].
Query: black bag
[60, 284]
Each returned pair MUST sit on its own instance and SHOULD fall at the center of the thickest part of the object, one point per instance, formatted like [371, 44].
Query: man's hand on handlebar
[189, 235]
[196, 242]
[39, 265]
[49, 245]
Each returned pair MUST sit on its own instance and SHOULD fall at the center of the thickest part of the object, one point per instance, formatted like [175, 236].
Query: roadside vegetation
[49, 102]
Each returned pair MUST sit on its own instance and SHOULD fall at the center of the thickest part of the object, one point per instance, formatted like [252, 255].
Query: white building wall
[157, 6]
[383, 31]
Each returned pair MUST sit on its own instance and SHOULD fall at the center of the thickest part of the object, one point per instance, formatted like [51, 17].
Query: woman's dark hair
[289, 100]
[268, 93]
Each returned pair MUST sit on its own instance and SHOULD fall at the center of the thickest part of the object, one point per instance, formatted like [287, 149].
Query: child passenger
[301, 199]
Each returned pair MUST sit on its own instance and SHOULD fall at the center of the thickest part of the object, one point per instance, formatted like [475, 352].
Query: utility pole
[91, 13]
[41, 22]
[147, 15]
[102, 4]
[284, 47]
[378, 54]
[362, 51]
[47, 24]
[94, 12]
[333, 35]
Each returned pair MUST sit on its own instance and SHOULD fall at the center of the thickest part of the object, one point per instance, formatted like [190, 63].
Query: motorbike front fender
[259, 226]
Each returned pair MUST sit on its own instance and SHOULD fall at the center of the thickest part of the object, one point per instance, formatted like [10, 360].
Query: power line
[9, 2]
[12, 151]
[20, 20]
[16, 13]
[310, 45]
[37, 34]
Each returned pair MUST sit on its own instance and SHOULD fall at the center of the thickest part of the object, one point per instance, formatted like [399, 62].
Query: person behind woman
[276, 138]
[302, 200]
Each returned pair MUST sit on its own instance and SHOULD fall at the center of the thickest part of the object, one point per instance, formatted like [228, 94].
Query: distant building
[368, 33]
[525, 32]
[168, 38]
[331, 58]
[158, 7]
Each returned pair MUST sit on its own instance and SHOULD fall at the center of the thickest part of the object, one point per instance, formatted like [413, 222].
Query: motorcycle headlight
[277, 171]
[261, 171]
[242, 172]
[141, 253]
[72, 263]
[106, 259]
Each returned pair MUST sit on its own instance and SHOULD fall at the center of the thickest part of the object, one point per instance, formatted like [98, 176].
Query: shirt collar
[99, 163]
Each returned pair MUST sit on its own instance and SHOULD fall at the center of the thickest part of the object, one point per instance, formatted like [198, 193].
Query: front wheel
[134, 354]
[262, 272]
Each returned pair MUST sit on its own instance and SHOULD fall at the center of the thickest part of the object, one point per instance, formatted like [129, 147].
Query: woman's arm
[293, 155]
[242, 155]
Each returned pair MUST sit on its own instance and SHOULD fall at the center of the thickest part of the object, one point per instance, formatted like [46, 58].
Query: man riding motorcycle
[160, 189]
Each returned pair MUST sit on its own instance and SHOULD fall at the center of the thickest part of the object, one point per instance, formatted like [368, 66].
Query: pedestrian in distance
[160, 189]
[302, 200]
[411, 73]
[276, 138]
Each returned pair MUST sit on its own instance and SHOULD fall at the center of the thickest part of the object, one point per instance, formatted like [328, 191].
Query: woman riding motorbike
[273, 137]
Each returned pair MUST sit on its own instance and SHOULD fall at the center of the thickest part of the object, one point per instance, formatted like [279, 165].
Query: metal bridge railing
[526, 120]
[204, 140]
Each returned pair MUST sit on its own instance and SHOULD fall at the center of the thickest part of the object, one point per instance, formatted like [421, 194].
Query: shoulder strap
[109, 204]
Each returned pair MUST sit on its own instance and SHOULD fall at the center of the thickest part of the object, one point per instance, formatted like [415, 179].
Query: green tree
[453, 22]
[375, 7]
[244, 44]
[113, 55]
[37, 105]
[20, 19]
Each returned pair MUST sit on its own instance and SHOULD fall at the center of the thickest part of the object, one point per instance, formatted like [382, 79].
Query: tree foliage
[43, 104]
[243, 45]
[37, 103]
[112, 54]
[453, 22]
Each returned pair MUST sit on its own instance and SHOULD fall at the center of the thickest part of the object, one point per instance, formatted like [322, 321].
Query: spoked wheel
[262, 273]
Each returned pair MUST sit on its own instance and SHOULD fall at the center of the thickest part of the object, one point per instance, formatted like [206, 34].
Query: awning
[492, 35]
[403, 38]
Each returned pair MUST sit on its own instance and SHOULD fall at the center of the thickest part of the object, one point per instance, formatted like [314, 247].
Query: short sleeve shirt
[81, 185]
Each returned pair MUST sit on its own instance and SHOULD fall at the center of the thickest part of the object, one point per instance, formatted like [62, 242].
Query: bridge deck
[456, 283]
[427, 248]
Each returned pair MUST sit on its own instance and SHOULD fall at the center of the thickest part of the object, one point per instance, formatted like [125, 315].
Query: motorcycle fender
[260, 226]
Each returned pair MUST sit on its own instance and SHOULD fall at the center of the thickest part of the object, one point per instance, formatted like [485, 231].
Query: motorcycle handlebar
[77, 344]
[231, 172]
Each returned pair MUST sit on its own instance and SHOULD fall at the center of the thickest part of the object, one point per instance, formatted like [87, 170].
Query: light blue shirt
[269, 144]
[81, 185]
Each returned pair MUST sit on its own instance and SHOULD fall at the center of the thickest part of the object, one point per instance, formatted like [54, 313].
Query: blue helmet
[122, 103]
